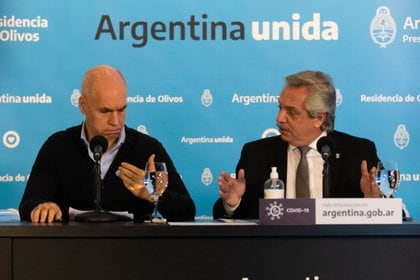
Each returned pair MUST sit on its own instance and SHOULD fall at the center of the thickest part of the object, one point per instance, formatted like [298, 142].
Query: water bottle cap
[274, 174]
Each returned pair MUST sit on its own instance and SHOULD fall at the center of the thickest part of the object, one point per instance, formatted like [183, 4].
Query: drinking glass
[156, 181]
[387, 177]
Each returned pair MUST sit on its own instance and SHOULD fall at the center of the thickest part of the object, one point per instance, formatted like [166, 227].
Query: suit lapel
[335, 162]
[279, 158]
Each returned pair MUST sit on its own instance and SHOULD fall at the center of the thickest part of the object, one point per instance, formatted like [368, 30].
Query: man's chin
[111, 137]
[284, 136]
[287, 138]
[112, 134]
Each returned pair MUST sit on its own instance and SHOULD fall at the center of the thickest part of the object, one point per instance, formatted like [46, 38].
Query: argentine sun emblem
[382, 27]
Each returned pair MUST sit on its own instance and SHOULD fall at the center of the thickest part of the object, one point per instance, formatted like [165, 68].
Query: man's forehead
[112, 107]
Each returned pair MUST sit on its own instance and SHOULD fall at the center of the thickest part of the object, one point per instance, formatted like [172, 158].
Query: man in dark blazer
[306, 113]
[61, 177]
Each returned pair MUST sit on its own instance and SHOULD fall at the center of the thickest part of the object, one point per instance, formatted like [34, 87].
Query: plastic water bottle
[273, 187]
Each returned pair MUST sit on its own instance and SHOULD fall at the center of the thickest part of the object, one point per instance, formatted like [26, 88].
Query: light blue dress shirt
[109, 155]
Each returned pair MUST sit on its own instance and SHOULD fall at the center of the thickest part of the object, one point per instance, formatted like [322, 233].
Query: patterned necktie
[302, 174]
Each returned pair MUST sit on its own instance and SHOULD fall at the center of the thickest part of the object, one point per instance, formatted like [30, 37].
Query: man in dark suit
[306, 113]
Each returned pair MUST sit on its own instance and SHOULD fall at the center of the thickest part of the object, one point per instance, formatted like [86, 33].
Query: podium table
[199, 251]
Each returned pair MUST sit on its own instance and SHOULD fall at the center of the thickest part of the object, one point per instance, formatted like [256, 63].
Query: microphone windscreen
[325, 141]
[98, 140]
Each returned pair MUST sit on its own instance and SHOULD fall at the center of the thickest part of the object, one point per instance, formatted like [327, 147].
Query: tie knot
[304, 150]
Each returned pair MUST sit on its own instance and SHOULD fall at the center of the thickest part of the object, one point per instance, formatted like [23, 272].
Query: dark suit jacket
[259, 156]
[62, 173]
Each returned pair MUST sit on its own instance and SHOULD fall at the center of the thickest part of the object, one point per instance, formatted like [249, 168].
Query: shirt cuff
[230, 210]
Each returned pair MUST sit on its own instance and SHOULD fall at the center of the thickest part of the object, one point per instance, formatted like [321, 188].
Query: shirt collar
[311, 145]
[83, 136]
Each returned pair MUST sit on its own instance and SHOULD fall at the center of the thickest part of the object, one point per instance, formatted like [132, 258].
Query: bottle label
[273, 194]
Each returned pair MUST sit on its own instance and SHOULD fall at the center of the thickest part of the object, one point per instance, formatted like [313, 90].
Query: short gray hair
[321, 98]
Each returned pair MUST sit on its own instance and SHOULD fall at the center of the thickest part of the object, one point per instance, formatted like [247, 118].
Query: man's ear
[82, 104]
[320, 119]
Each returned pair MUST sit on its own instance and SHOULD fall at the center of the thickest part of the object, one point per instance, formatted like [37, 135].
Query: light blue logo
[74, 98]
[142, 128]
[382, 27]
[206, 176]
[11, 139]
[401, 137]
[206, 98]
[338, 97]
[269, 132]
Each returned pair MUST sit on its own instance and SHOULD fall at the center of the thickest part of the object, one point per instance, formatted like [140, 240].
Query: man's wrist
[231, 209]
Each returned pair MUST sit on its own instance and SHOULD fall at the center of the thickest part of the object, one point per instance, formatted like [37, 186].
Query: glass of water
[387, 177]
[156, 181]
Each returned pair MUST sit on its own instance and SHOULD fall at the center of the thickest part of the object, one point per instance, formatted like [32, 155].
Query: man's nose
[113, 118]
[281, 116]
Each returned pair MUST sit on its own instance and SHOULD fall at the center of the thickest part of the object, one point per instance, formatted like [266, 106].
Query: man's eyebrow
[111, 110]
[287, 107]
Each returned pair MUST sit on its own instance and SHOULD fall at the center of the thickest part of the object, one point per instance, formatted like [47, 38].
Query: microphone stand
[325, 147]
[99, 214]
[98, 186]
[326, 179]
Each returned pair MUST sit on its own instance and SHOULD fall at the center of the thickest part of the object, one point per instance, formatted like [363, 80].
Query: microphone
[325, 146]
[98, 146]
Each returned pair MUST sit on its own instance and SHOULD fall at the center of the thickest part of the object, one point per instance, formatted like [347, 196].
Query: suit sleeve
[176, 203]
[248, 208]
[42, 185]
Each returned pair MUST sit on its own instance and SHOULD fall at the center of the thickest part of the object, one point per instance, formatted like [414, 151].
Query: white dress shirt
[315, 164]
